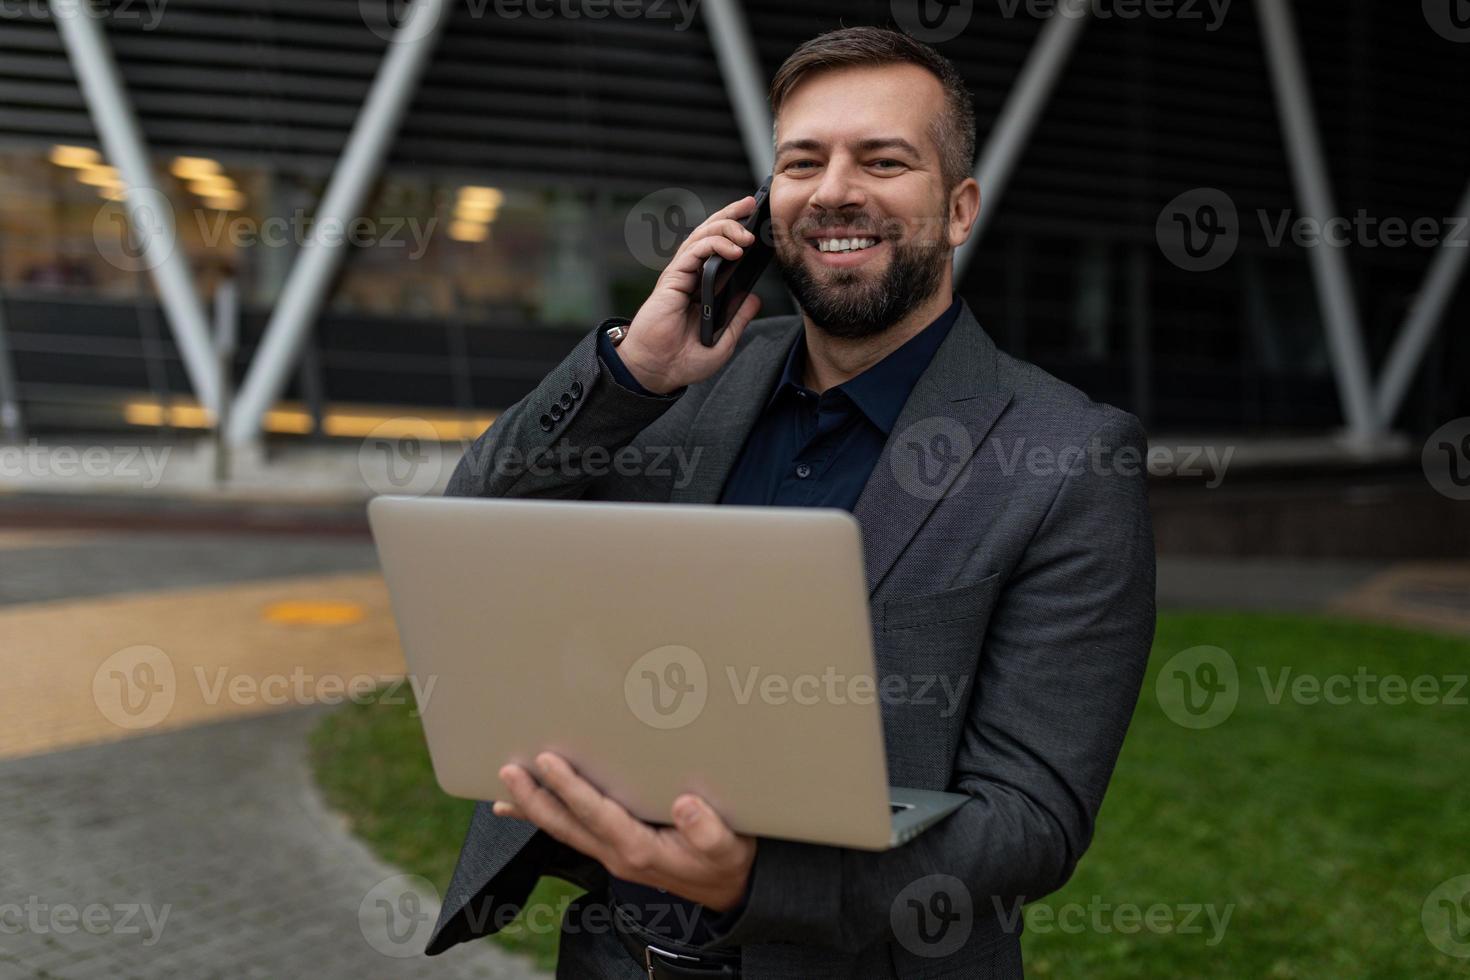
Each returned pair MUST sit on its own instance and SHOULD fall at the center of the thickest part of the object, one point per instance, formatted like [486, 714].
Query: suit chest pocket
[928, 654]
[965, 603]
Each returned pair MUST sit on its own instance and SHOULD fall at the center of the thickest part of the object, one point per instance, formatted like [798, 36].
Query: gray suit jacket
[1007, 543]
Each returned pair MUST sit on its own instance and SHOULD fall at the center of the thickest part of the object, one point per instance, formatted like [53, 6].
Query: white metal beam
[150, 216]
[1314, 191]
[1423, 319]
[744, 81]
[311, 275]
[1012, 130]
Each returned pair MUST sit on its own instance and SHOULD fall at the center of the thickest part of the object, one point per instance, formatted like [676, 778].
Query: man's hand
[662, 348]
[700, 858]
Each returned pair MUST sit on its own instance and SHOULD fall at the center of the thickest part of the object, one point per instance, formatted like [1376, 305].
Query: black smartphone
[725, 284]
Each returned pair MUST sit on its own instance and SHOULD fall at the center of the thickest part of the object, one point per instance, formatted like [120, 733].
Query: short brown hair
[954, 130]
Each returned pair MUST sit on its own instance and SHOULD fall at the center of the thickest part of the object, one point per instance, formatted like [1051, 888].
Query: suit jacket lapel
[730, 411]
[951, 410]
[946, 418]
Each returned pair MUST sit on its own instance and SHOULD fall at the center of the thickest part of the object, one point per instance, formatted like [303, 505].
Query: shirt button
[803, 470]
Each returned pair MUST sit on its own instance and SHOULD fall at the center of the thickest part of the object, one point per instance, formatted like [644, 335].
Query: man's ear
[964, 208]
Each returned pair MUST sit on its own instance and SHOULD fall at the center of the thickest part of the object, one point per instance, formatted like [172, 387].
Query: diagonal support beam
[1023, 108]
[741, 71]
[1423, 320]
[150, 217]
[1314, 191]
[311, 276]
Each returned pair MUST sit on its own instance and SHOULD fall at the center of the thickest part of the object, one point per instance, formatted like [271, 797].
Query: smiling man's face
[864, 226]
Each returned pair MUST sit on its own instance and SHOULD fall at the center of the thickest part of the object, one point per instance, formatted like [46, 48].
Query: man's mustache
[924, 230]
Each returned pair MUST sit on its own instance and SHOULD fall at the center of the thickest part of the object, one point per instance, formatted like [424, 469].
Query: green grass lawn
[1319, 829]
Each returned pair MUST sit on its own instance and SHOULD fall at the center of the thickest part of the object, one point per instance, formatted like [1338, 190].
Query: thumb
[700, 825]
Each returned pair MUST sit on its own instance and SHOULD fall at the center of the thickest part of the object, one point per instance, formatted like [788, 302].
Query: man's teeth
[845, 244]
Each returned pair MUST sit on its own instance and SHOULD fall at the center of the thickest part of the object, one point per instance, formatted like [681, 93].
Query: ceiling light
[490, 197]
[469, 231]
[75, 157]
[100, 176]
[226, 202]
[193, 168]
[467, 211]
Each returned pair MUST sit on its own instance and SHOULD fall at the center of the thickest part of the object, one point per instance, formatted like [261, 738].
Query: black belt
[662, 963]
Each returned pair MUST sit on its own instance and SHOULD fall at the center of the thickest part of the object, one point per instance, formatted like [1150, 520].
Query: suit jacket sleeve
[520, 456]
[1058, 677]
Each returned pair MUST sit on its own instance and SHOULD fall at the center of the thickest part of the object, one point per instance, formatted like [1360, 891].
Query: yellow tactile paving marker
[93, 670]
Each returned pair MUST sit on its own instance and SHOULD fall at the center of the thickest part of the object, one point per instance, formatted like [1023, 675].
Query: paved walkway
[198, 854]
[165, 824]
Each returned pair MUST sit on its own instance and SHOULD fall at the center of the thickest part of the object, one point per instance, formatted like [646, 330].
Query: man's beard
[854, 303]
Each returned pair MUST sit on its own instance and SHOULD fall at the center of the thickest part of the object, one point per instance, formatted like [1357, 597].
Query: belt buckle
[648, 952]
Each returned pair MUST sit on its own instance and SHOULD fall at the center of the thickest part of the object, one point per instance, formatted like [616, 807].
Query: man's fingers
[703, 831]
[735, 209]
[601, 815]
[692, 257]
[542, 808]
[738, 323]
[641, 852]
[505, 808]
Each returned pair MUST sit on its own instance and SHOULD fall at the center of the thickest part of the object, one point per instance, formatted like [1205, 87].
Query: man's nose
[839, 188]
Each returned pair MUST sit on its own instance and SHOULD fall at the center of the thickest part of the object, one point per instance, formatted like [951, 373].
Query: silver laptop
[718, 650]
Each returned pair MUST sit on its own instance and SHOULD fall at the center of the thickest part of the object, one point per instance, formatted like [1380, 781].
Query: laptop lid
[719, 650]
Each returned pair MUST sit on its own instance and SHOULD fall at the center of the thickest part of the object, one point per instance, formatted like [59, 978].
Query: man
[1007, 544]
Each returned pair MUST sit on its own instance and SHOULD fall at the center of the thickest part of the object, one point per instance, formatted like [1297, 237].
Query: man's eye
[887, 164]
[799, 164]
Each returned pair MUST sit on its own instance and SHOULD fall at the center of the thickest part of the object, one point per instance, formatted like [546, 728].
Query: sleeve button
[576, 389]
[557, 412]
[546, 423]
[566, 400]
